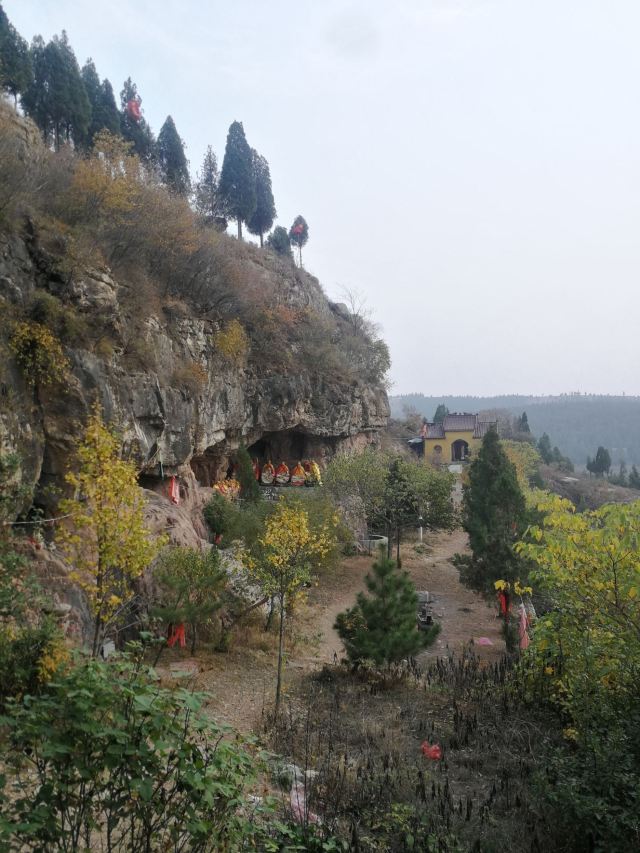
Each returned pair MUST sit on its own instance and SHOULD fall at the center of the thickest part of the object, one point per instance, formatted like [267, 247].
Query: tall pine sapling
[382, 626]
[207, 194]
[172, 161]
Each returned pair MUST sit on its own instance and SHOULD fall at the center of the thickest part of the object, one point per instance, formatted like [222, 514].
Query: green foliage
[105, 755]
[249, 487]
[634, 478]
[279, 242]
[237, 186]
[262, 217]
[191, 584]
[171, 159]
[56, 99]
[601, 464]
[382, 626]
[12, 491]
[207, 196]
[39, 354]
[104, 112]
[441, 413]
[522, 423]
[15, 62]
[136, 131]
[299, 235]
[494, 516]
[544, 448]
[219, 514]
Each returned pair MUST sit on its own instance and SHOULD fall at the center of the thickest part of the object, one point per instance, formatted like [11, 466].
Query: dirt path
[241, 681]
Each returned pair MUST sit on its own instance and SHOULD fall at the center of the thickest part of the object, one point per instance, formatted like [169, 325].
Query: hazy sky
[471, 166]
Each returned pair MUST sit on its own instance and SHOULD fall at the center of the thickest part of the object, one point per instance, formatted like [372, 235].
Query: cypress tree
[35, 98]
[493, 514]
[136, 131]
[207, 196]
[279, 242]
[249, 488]
[382, 626]
[299, 234]
[441, 414]
[263, 216]
[74, 107]
[237, 179]
[15, 62]
[172, 162]
[544, 448]
[400, 504]
[104, 113]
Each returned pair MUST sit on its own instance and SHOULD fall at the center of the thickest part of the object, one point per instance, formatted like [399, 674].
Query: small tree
[523, 423]
[172, 160]
[105, 536]
[634, 478]
[288, 552]
[441, 414]
[191, 585]
[262, 217]
[544, 449]
[279, 242]
[299, 235]
[493, 514]
[249, 488]
[207, 195]
[382, 627]
[237, 180]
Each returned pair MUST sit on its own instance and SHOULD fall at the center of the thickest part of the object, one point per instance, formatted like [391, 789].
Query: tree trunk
[261, 241]
[239, 228]
[96, 636]
[398, 563]
[389, 540]
[193, 638]
[270, 615]
[280, 647]
[300, 256]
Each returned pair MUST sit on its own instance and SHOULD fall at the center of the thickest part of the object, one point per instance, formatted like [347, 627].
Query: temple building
[452, 440]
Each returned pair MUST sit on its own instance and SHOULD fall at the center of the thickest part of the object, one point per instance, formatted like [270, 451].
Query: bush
[106, 758]
[191, 376]
[219, 514]
[232, 343]
[39, 353]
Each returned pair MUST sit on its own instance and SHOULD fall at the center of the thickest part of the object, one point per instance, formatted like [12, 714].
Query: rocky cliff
[179, 405]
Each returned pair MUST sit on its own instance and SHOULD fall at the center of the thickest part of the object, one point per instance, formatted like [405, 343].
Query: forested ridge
[577, 423]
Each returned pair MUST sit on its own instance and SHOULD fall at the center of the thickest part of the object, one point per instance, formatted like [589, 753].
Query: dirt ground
[241, 682]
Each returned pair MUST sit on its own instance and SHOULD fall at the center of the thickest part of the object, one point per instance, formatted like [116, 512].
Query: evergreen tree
[207, 195]
[299, 235]
[57, 100]
[544, 449]
[382, 626]
[15, 62]
[523, 423]
[634, 478]
[400, 504]
[245, 475]
[135, 130]
[171, 158]
[493, 514]
[263, 216]
[602, 462]
[104, 112]
[237, 180]
[441, 414]
[279, 242]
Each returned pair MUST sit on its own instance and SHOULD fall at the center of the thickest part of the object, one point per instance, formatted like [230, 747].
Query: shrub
[232, 342]
[63, 320]
[191, 376]
[39, 353]
[106, 758]
[219, 513]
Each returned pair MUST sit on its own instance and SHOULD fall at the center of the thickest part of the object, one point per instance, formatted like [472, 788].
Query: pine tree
[136, 130]
[493, 514]
[279, 242]
[441, 414]
[299, 235]
[104, 113]
[400, 504]
[544, 448]
[35, 98]
[237, 180]
[207, 196]
[265, 212]
[523, 423]
[75, 109]
[382, 626]
[15, 62]
[171, 158]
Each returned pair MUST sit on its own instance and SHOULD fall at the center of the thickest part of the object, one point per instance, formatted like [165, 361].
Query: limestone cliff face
[179, 406]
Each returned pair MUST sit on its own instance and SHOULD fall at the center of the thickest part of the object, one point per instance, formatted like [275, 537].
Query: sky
[471, 168]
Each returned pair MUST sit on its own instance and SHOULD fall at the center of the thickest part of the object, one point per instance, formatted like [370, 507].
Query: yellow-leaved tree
[289, 551]
[105, 536]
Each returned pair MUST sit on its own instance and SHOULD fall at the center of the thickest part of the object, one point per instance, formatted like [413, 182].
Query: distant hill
[576, 423]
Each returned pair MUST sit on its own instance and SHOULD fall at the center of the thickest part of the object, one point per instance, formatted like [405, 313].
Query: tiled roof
[483, 427]
[458, 423]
